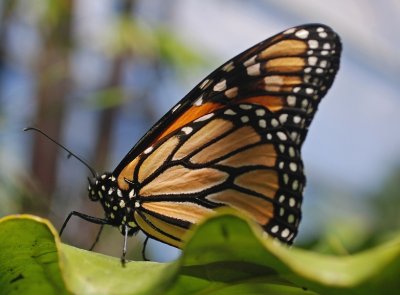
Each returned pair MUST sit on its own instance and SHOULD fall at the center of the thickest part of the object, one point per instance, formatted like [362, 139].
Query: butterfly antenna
[70, 154]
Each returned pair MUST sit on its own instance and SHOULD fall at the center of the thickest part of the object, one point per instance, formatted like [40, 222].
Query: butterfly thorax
[118, 205]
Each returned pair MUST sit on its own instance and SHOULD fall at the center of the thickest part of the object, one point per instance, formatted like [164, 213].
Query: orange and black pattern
[233, 141]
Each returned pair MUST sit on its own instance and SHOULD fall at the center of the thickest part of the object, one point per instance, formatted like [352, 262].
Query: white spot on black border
[176, 107]
[302, 34]
[204, 118]
[148, 150]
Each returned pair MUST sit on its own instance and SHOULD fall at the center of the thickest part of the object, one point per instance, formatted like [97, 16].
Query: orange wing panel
[190, 114]
[273, 103]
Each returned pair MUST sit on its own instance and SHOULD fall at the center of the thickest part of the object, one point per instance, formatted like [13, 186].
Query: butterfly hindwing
[238, 156]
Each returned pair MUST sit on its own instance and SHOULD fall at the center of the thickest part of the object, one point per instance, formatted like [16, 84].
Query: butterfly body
[233, 141]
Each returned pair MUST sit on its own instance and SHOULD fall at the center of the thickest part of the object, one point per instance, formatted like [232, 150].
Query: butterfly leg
[84, 217]
[123, 259]
[144, 249]
[97, 237]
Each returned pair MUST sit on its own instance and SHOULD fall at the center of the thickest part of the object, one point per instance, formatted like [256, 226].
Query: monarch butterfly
[233, 141]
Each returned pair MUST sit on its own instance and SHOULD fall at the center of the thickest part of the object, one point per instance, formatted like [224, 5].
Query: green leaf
[225, 254]
[28, 257]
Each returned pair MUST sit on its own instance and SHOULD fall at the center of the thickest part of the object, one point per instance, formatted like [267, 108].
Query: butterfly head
[116, 203]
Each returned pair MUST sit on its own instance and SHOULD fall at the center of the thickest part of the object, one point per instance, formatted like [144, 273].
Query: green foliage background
[225, 254]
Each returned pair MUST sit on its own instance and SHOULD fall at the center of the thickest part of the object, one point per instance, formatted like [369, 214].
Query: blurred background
[96, 74]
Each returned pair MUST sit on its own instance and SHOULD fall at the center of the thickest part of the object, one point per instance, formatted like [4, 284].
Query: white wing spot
[285, 233]
[122, 204]
[228, 67]
[323, 63]
[289, 31]
[291, 218]
[293, 167]
[274, 123]
[296, 119]
[119, 193]
[229, 112]
[281, 135]
[312, 60]
[307, 70]
[309, 90]
[131, 194]
[199, 101]
[176, 107]
[245, 106]
[291, 100]
[320, 29]
[323, 34]
[295, 185]
[262, 123]
[250, 61]
[281, 165]
[260, 112]
[296, 89]
[324, 52]
[282, 149]
[292, 152]
[313, 44]
[244, 119]
[253, 70]
[220, 86]
[285, 178]
[148, 150]
[292, 202]
[326, 46]
[203, 118]
[269, 136]
[204, 84]
[302, 34]
[319, 71]
[283, 118]
[281, 199]
[275, 229]
[294, 135]
[187, 130]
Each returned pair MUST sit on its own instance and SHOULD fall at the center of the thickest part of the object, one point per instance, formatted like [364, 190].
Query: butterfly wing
[235, 139]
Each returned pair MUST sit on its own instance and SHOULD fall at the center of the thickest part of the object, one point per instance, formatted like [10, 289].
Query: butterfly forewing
[235, 139]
